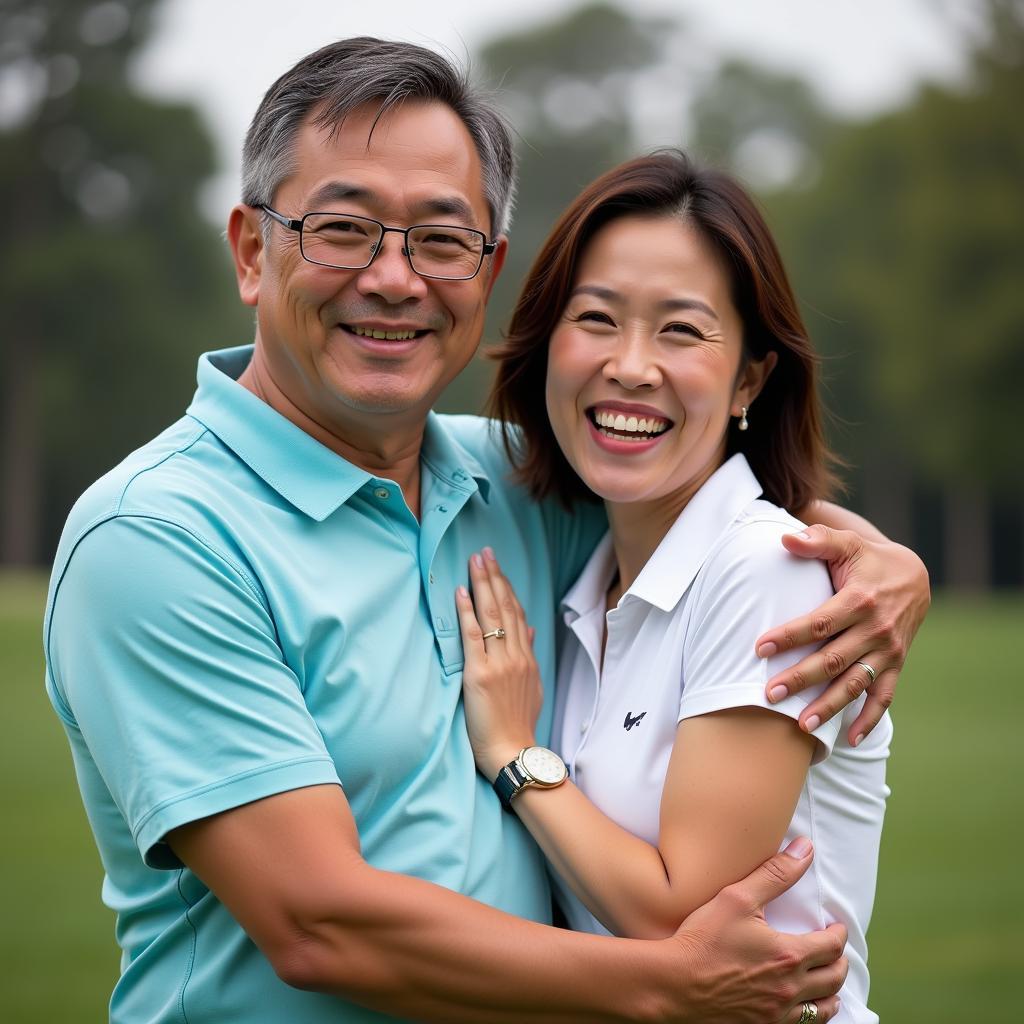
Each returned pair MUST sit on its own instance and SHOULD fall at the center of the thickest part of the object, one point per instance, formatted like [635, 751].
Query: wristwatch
[533, 766]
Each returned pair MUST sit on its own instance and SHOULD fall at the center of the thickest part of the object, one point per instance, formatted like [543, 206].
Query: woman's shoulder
[749, 554]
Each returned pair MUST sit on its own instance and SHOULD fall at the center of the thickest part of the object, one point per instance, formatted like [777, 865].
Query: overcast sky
[864, 55]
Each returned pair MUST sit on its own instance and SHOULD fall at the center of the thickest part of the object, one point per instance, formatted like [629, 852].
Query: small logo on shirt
[631, 721]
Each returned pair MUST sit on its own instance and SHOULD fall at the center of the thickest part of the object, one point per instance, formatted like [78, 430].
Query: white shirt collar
[682, 551]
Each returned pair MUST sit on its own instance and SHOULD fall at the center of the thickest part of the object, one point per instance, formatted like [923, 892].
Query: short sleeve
[163, 655]
[749, 584]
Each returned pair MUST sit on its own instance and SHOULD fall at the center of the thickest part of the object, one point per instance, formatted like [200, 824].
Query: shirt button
[442, 508]
[431, 577]
[382, 492]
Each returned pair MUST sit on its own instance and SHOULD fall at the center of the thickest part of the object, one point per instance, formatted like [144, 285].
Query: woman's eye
[595, 316]
[682, 328]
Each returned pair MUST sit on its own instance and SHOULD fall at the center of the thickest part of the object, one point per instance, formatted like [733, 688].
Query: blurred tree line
[110, 281]
[902, 233]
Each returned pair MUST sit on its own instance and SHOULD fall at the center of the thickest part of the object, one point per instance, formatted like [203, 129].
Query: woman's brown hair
[785, 444]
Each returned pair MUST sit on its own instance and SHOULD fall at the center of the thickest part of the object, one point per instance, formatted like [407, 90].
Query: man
[252, 642]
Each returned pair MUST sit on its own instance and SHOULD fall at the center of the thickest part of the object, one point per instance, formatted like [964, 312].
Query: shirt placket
[442, 501]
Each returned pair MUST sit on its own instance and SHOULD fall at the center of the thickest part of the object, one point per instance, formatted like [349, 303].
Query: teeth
[622, 424]
[367, 332]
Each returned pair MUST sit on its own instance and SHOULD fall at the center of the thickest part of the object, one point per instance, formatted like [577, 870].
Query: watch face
[543, 765]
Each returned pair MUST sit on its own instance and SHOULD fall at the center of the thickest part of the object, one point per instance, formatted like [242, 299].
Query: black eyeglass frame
[487, 248]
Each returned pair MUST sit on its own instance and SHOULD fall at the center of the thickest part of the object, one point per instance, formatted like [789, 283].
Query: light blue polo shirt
[236, 611]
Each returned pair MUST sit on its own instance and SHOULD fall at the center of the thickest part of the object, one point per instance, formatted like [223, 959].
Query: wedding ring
[809, 1014]
[867, 668]
[499, 634]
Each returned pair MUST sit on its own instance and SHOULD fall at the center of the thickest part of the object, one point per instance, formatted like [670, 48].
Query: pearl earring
[743, 424]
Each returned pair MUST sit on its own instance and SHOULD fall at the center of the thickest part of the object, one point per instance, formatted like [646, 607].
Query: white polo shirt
[681, 643]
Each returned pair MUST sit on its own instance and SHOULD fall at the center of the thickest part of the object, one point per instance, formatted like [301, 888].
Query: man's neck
[392, 454]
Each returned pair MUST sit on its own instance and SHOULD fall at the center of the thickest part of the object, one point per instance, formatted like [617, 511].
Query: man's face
[316, 324]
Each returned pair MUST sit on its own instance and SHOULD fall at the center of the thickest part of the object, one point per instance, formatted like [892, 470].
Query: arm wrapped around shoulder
[748, 583]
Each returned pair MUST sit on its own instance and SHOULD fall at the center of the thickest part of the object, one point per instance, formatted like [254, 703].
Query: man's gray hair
[338, 78]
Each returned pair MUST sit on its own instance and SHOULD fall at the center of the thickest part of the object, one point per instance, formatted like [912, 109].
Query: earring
[743, 424]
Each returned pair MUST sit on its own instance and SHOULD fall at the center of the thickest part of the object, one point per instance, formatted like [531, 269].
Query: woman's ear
[751, 380]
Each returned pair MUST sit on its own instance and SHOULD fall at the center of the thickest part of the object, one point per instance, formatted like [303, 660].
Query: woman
[680, 389]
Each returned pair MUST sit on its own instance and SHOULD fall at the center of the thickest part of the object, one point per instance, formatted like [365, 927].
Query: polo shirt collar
[306, 473]
[446, 458]
[682, 551]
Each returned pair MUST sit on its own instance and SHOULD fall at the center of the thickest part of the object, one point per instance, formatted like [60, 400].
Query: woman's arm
[732, 784]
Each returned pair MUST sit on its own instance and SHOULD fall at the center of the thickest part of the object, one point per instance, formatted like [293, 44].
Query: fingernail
[489, 554]
[812, 723]
[461, 591]
[478, 561]
[860, 736]
[803, 535]
[777, 693]
[799, 848]
[767, 650]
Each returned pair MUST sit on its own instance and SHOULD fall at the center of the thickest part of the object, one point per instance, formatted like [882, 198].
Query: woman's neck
[638, 527]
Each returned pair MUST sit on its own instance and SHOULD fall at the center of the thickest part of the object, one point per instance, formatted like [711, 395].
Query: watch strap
[511, 779]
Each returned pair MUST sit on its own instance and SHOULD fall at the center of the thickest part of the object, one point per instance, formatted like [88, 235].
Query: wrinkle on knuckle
[853, 688]
[797, 680]
[775, 871]
[834, 663]
[823, 626]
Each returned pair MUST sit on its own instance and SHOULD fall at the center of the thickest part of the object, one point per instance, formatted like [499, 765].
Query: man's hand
[741, 970]
[882, 595]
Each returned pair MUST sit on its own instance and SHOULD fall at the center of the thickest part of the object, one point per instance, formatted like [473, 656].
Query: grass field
[947, 940]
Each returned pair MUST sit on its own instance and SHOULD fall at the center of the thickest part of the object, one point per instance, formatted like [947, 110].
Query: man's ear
[751, 380]
[246, 240]
[497, 261]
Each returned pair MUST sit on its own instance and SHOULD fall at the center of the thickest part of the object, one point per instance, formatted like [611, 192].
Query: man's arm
[289, 869]
[882, 596]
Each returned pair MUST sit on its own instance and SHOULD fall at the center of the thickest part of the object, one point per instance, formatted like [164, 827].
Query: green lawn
[947, 942]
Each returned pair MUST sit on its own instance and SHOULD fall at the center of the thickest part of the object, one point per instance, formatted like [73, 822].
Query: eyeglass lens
[349, 243]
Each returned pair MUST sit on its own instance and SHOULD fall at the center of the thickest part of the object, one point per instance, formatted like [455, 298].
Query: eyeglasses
[348, 242]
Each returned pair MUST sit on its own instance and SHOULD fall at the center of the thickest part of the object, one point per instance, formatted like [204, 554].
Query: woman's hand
[882, 595]
[501, 685]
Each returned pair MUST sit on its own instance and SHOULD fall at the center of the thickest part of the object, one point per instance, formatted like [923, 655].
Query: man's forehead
[416, 153]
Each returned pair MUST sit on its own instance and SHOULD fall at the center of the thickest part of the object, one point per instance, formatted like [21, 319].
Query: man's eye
[440, 238]
[341, 227]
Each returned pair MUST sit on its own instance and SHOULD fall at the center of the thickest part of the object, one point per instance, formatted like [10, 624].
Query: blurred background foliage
[902, 233]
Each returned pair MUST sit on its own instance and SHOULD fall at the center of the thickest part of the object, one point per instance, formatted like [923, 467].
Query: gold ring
[809, 1014]
[867, 668]
[498, 634]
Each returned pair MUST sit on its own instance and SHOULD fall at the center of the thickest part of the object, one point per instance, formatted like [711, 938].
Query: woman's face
[644, 365]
